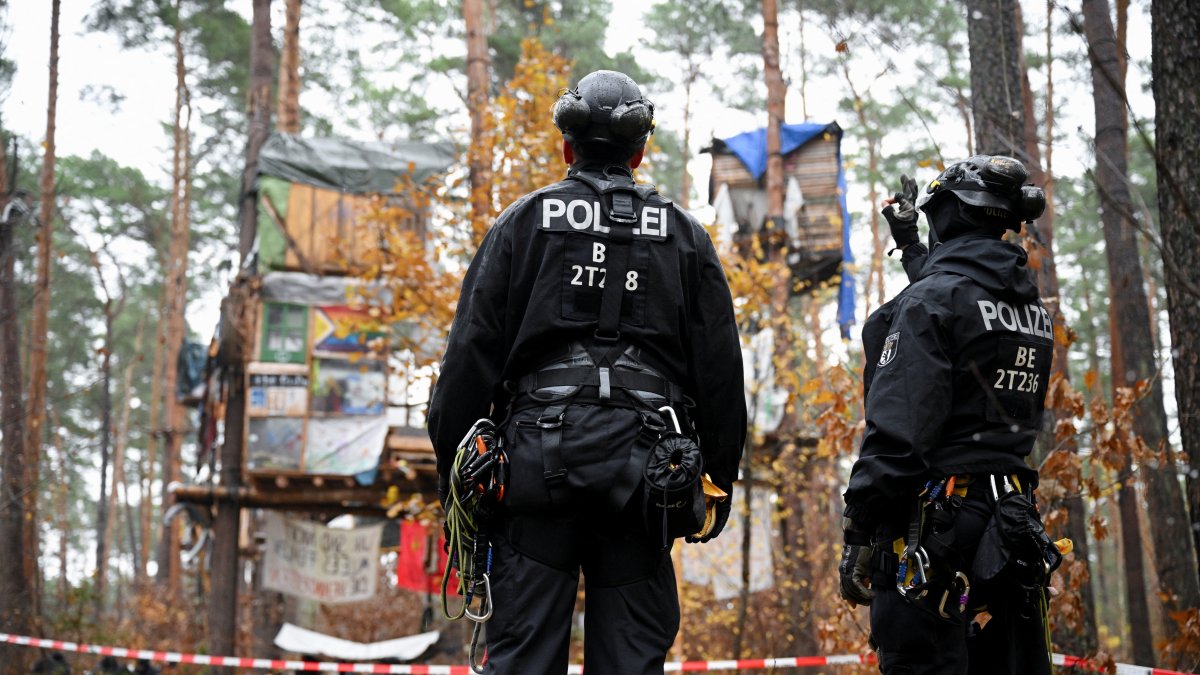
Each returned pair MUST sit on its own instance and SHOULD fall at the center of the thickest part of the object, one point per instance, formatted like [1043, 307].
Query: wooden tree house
[816, 222]
[322, 431]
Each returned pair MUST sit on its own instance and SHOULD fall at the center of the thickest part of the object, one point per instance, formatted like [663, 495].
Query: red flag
[421, 558]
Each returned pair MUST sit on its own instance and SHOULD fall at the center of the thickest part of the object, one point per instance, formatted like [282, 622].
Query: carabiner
[920, 572]
[475, 667]
[1007, 486]
[674, 418]
[962, 596]
[485, 605]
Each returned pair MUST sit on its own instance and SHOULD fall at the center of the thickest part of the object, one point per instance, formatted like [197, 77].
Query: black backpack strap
[622, 216]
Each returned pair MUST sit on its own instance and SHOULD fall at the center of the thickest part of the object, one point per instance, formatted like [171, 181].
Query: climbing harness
[477, 484]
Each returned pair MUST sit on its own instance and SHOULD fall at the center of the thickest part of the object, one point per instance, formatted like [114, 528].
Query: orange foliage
[527, 147]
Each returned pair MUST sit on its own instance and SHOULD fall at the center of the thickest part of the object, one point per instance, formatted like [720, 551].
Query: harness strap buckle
[622, 207]
[554, 422]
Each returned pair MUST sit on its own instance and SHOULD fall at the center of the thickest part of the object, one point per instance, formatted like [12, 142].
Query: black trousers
[913, 639]
[631, 614]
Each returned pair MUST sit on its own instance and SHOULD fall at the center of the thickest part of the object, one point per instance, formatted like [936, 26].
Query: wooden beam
[249, 496]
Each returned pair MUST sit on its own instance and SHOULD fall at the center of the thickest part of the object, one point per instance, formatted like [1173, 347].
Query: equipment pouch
[1015, 546]
[573, 454]
[673, 497]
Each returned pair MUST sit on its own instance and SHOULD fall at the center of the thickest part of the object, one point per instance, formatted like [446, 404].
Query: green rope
[462, 532]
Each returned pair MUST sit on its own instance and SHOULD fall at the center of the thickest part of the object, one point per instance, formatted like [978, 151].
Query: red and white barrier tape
[326, 666]
[1122, 668]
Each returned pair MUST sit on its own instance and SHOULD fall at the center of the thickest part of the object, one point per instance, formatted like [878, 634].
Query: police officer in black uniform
[956, 376]
[591, 304]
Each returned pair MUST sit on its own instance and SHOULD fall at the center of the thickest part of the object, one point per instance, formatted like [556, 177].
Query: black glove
[720, 517]
[855, 573]
[902, 214]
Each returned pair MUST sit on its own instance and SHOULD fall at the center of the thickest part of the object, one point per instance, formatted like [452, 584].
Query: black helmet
[606, 107]
[994, 183]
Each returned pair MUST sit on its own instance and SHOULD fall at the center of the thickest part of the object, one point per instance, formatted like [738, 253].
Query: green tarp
[351, 166]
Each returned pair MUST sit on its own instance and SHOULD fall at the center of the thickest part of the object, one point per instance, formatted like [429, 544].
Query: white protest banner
[312, 561]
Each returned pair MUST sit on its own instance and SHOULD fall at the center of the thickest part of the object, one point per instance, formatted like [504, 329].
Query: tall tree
[996, 105]
[38, 345]
[1133, 355]
[775, 243]
[259, 121]
[175, 289]
[15, 586]
[1004, 122]
[222, 608]
[479, 151]
[1176, 70]
[289, 72]
[776, 96]
[1039, 240]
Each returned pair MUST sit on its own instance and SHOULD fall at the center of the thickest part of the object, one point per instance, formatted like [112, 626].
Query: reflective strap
[605, 385]
[589, 376]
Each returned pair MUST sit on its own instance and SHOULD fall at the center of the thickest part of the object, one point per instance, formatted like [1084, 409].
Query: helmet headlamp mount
[992, 182]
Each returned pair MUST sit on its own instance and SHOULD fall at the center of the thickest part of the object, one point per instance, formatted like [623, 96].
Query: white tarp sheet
[303, 641]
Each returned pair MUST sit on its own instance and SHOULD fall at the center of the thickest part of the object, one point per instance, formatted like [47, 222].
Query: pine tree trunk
[225, 569]
[776, 95]
[1039, 240]
[996, 78]
[259, 118]
[1004, 124]
[38, 346]
[479, 153]
[289, 72]
[1176, 70]
[14, 586]
[775, 242]
[1173, 552]
[174, 316]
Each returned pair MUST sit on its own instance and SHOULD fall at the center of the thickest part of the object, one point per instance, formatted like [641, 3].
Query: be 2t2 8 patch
[586, 273]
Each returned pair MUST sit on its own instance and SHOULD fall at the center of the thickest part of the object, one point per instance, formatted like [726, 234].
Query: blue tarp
[751, 148]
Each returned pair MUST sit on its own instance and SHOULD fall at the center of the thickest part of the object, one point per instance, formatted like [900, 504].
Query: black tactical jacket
[957, 369]
[534, 287]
